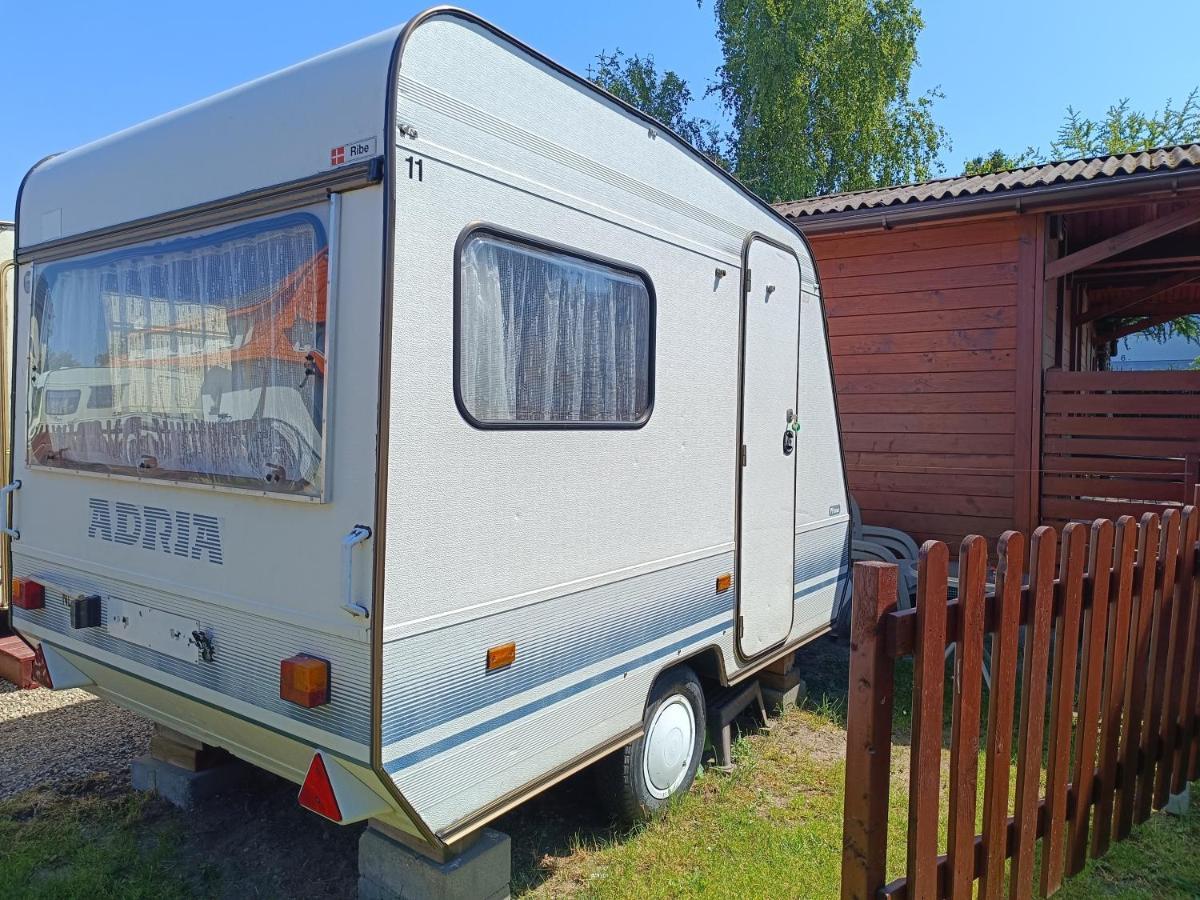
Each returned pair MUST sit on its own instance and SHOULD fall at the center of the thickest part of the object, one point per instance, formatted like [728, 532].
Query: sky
[81, 69]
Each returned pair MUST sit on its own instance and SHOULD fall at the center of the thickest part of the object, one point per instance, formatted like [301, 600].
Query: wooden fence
[1106, 678]
[1118, 443]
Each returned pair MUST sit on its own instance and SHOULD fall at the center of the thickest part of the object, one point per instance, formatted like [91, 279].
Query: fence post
[868, 733]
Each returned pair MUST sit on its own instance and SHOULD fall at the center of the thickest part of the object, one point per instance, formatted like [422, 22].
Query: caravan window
[201, 358]
[550, 338]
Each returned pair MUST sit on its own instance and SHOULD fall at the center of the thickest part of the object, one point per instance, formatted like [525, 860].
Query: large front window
[199, 359]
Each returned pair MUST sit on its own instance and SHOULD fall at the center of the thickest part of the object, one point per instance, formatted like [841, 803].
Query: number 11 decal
[416, 168]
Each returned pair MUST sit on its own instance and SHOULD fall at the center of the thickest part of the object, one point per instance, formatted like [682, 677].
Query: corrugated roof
[1030, 178]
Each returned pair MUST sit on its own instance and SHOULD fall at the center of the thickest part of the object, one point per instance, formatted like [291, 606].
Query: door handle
[357, 535]
[789, 441]
[5, 524]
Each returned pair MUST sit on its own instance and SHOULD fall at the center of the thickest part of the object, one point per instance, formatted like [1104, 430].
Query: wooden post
[1189, 611]
[929, 670]
[1033, 707]
[964, 727]
[868, 733]
[1062, 706]
[1001, 703]
[1120, 615]
[1135, 675]
[1091, 690]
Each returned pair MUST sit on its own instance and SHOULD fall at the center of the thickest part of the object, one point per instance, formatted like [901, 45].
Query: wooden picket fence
[1095, 651]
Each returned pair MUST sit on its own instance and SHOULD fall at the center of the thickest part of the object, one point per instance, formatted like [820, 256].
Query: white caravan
[450, 426]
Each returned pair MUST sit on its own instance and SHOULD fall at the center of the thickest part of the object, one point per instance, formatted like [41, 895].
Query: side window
[547, 338]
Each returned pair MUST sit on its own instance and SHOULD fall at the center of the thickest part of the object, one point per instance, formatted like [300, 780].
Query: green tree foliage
[818, 92]
[1124, 130]
[999, 161]
[666, 97]
[1120, 130]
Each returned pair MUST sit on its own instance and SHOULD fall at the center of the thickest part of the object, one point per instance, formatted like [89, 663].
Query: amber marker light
[724, 582]
[501, 655]
[304, 680]
[27, 594]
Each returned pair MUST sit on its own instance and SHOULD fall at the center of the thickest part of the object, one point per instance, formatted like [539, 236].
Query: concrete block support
[1179, 804]
[389, 870]
[782, 686]
[184, 788]
[184, 771]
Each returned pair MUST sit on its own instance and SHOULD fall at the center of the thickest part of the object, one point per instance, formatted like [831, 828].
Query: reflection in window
[204, 354]
[551, 339]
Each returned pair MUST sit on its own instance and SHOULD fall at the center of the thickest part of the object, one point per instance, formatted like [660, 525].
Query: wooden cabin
[971, 321]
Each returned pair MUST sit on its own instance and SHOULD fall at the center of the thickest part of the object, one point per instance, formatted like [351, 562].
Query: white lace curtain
[188, 354]
[549, 338]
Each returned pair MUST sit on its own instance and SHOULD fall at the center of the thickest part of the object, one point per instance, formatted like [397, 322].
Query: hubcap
[669, 741]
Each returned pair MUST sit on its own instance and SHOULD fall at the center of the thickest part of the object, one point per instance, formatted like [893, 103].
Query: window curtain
[190, 355]
[549, 338]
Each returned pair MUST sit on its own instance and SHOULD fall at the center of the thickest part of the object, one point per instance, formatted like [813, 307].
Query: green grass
[54, 846]
[773, 829]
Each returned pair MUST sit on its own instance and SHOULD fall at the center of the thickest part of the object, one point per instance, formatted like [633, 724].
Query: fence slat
[929, 670]
[1001, 701]
[1175, 665]
[1160, 653]
[1135, 682]
[1120, 609]
[1033, 707]
[964, 731]
[868, 732]
[1187, 669]
[1062, 695]
[1091, 686]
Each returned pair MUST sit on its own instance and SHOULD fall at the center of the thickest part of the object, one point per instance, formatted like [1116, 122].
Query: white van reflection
[183, 422]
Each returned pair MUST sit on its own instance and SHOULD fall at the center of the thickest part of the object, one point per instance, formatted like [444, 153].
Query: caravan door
[766, 516]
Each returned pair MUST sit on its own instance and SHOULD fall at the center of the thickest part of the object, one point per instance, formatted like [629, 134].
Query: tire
[637, 782]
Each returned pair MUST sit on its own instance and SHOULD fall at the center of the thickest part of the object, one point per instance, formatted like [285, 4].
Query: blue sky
[81, 69]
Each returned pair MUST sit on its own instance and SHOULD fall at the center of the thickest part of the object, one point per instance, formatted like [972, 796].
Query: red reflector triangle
[316, 793]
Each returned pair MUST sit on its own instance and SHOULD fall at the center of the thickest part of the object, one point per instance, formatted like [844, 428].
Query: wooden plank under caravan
[421, 420]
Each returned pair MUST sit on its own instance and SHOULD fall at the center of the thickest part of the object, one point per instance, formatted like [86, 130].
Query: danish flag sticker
[351, 152]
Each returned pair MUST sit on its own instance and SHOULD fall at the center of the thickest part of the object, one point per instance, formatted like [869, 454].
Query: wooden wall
[923, 324]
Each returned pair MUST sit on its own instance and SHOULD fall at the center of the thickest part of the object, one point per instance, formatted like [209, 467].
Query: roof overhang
[1161, 185]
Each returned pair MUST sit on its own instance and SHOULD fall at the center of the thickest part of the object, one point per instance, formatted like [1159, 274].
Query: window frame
[477, 229]
[324, 216]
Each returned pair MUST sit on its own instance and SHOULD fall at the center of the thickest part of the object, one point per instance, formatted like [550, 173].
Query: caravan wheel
[638, 781]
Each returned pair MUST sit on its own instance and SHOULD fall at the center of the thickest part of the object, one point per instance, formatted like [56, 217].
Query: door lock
[789, 433]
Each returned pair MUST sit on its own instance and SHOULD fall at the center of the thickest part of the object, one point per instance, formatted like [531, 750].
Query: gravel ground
[49, 736]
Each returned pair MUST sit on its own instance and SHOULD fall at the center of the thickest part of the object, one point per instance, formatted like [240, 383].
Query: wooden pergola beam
[1159, 287]
[1126, 240]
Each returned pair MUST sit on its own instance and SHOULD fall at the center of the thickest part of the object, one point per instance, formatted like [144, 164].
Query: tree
[999, 161]
[1121, 130]
[818, 93]
[666, 97]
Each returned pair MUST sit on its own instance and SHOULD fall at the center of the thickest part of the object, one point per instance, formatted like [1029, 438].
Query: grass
[86, 845]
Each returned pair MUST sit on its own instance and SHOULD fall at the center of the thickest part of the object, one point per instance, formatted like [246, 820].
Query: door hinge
[741, 627]
[743, 454]
[746, 281]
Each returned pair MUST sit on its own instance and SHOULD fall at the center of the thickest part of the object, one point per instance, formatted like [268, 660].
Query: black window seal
[476, 229]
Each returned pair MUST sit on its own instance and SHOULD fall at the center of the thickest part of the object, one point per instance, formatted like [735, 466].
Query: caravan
[422, 424]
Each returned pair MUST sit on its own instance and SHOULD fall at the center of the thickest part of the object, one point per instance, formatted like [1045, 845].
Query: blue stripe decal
[563, 693]
[533, 706]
